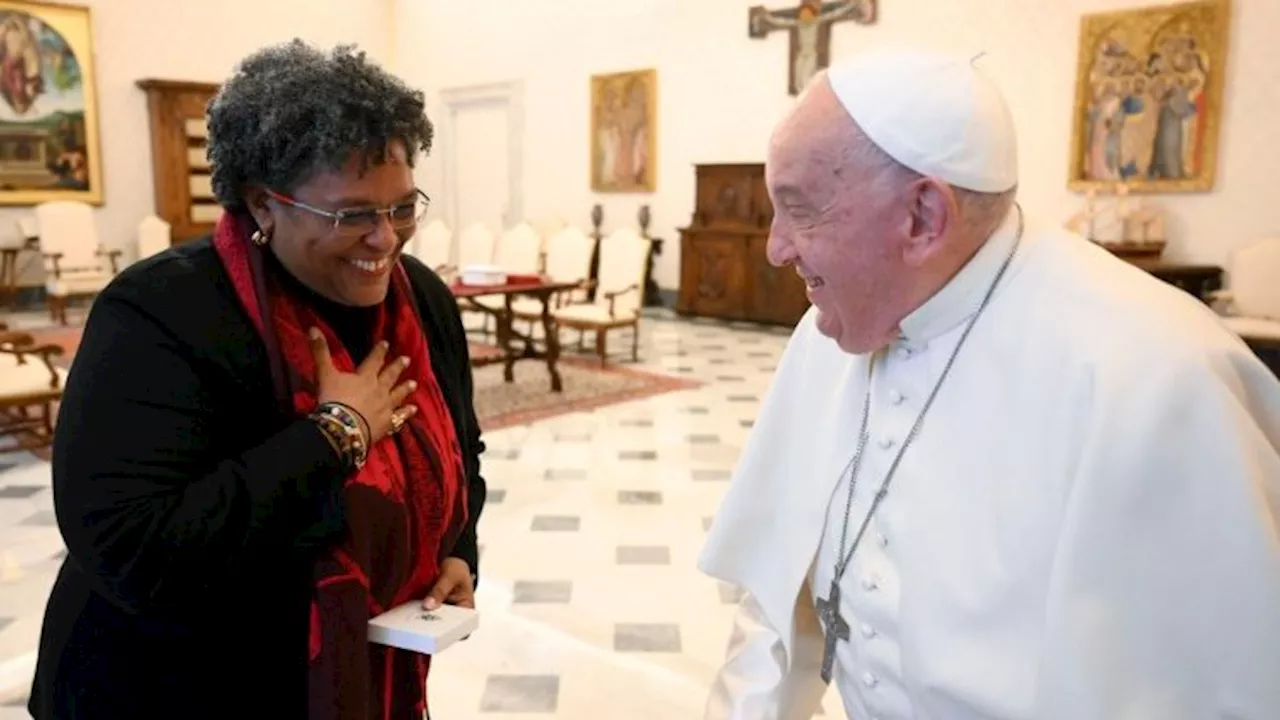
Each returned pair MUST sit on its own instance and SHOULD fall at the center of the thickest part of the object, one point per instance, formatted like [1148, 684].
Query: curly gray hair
[290, 111]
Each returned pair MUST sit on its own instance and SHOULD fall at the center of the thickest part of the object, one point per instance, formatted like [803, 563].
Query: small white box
[412, 627]
[483, 275]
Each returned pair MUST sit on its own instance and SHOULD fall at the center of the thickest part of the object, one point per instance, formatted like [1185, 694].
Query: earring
[259, 238]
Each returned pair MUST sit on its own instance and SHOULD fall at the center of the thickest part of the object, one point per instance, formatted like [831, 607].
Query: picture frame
[1148, 98]
[50, 146]
[624, 129]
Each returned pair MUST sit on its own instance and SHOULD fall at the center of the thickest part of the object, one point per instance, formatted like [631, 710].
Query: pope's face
[834, 225]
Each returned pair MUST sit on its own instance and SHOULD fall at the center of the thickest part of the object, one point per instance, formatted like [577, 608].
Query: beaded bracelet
[342, 425]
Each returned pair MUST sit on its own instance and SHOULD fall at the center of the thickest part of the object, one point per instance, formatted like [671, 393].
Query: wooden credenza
[724, 270]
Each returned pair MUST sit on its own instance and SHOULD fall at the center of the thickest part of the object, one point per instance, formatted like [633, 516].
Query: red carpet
[587, 385]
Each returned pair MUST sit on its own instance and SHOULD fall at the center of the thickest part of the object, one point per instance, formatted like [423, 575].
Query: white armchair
[619, 292]
[433, 245]
[476, 246]
[518, 251]
[154, 236]
[31, 383]
[75, 263]
[567, 259]
[1251, 305]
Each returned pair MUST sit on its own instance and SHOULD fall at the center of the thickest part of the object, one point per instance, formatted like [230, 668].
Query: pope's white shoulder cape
[1161, 437]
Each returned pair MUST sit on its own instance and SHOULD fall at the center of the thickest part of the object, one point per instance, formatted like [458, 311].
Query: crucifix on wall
[809, 26]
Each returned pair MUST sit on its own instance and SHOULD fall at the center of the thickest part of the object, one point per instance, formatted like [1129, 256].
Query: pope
[1000, 473]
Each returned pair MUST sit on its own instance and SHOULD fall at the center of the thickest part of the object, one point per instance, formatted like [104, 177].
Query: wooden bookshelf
[180, 167]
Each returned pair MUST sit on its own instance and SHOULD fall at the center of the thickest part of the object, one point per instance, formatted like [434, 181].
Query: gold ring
[397, 420]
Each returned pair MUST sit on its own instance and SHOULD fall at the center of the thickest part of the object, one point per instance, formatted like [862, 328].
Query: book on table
[414, 628]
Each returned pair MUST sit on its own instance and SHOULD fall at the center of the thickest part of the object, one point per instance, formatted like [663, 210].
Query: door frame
[456, 99]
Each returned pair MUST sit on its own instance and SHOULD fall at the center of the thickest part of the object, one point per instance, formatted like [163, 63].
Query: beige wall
[185, 40]
[720, 93]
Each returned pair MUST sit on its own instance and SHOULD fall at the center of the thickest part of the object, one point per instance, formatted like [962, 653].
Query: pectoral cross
[833, 626]
[809, 26]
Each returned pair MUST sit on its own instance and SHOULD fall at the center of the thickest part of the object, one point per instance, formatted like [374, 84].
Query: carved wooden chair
[619, 292]
[30, 385]
[75, 263]
[1250, 306]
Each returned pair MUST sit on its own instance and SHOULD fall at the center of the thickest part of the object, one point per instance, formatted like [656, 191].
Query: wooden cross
[834, 628]
[809, 25]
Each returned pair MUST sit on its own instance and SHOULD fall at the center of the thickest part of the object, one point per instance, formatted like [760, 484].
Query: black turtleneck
[352, 324]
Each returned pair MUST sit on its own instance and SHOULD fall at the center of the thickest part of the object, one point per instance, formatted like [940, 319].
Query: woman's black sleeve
[143, 504]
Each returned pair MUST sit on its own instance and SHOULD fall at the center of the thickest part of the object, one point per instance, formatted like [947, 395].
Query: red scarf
[404, 509]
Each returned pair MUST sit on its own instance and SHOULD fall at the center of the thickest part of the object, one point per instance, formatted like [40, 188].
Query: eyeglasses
[362, 221]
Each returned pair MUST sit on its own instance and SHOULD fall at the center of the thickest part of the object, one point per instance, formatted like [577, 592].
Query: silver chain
[843, 560]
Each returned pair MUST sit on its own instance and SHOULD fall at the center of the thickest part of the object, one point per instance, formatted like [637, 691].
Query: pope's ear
[931, 214]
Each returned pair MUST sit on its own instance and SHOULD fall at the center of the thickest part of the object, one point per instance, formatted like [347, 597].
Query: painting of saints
[1151, 87]
[47, 117]
[622, 132]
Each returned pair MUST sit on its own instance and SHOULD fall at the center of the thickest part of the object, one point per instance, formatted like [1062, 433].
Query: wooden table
[541, 289]
[8, 275]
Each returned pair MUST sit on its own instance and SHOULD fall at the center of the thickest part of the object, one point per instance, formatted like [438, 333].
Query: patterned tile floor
[591, 603]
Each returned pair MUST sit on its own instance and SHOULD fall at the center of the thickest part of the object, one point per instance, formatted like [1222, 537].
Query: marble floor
[591, 603]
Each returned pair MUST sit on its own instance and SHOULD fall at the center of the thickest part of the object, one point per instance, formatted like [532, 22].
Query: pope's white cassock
[1086, 527]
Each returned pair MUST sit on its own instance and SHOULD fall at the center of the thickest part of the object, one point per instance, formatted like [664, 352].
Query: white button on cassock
[882, 540]
[896, 397]
[886, 443]
[868, 632]
[869, 680]
[869, 583]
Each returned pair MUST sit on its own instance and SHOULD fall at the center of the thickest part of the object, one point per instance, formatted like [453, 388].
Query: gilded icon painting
[1148, 102]
[624, 131]
[48, 105]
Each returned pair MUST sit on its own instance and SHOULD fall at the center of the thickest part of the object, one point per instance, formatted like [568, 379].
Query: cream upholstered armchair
[475, 247]
[1251, 305]
[568, 260]
[433, 245]
[518, 251]
[30, 383]
[75, 264]
[619, 292]
[154, 236]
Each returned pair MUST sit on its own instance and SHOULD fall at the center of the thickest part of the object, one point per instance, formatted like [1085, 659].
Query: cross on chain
[834, 628]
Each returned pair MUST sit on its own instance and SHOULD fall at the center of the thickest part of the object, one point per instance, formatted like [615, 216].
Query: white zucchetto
[935, 113]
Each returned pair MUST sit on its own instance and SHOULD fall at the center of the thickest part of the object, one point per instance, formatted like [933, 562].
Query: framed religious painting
[49, 142]
[1148, 98]
[624, 131]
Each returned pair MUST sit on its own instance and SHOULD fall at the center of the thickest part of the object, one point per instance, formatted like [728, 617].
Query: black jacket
[192, 506]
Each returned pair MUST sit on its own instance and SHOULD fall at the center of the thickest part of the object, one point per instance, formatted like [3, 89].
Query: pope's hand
[454, 586]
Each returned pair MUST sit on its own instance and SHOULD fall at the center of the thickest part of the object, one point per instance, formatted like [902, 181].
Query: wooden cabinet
[180, 167]
[724, 270]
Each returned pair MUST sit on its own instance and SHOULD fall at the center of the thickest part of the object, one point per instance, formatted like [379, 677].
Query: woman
[268, 435]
